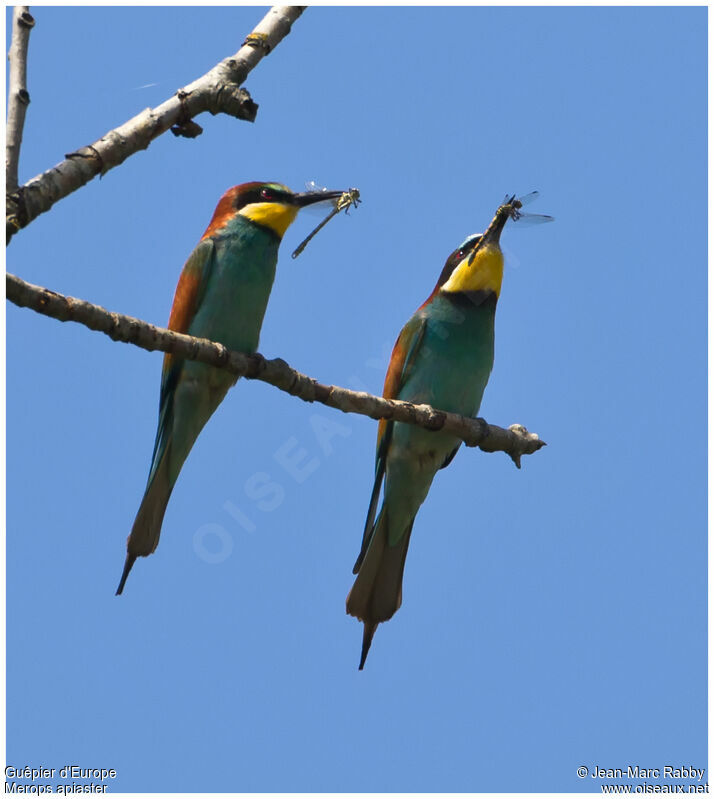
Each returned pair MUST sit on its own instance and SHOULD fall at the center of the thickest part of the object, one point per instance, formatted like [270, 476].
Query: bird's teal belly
[450, 373]
[231, 312]
[451, 369]
[237, 294]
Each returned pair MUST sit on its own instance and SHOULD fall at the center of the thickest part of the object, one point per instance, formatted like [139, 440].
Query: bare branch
[218, 91]
[515, 441]
[18, 97]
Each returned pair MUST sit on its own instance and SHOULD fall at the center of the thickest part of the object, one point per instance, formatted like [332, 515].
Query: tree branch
[218, 91]
[18, 96]
[515, 441]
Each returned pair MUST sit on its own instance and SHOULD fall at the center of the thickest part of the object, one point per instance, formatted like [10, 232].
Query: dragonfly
[524, 218]
[511, 207]
[348, 199]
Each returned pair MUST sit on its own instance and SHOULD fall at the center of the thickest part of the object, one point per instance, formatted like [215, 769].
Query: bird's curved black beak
[310, 197]
[493, 233]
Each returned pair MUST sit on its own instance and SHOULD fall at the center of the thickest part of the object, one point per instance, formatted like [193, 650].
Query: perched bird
[443, 357]
[221, 295]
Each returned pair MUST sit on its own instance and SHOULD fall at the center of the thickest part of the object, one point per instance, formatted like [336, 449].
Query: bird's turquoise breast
[454, 361]
[449, 372]
[238, 286]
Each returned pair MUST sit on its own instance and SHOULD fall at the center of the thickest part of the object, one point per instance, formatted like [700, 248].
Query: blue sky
[553, 617]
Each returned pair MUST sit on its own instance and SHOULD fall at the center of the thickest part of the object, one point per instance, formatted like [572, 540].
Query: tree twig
[218, 91]
[18, 97]
[515, 441]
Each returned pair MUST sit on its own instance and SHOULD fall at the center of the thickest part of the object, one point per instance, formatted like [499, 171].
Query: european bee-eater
[221, 295]
[443, 358]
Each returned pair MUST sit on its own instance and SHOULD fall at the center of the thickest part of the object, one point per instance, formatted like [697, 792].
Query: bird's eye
[460, 254]
[267, 194]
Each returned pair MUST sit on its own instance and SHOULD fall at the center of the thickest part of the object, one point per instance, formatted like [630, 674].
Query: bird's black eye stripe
[260, 194]
[471, 246]
[271, 195]
[247, 198]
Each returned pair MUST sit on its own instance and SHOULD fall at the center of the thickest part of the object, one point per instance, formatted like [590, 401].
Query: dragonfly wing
[526, 220]
[527, 199]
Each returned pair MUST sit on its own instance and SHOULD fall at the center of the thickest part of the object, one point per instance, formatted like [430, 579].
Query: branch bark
[516, 441]
[218, 91]
[18, 96]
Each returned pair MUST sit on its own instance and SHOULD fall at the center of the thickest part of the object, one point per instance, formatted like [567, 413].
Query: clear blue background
[553, 617]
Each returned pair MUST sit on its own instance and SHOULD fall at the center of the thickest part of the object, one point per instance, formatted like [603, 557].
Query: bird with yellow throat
[221, 295]
[443, 358]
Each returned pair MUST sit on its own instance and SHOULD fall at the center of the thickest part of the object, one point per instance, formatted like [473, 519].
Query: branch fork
[218, 91]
